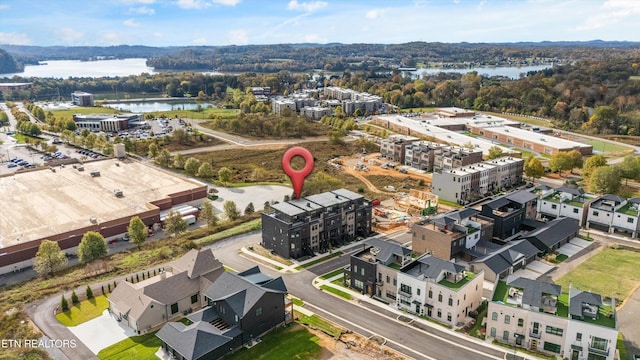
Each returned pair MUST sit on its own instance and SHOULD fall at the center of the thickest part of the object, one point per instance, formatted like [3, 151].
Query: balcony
[535, 335]
[404, 293]
[598, 351]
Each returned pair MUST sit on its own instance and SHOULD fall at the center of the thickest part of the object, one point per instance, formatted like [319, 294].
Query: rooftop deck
[455, 286]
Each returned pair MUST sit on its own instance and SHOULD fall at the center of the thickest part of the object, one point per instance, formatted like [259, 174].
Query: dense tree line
[8, 64]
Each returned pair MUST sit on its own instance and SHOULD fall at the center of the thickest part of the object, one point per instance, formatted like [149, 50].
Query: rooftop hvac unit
[118, 193]
[93, 220]
[80, 168]
[95, 173]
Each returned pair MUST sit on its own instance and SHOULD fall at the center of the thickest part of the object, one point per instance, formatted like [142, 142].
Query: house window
[362, 271]
[579, 337]
[630, 220]
[554, 206]
[388, 279]
[448, 316]
[595, 213]
[507, 319]
[258, 311]
[194, 298]
[520, 322]
[440, 297]
[439, 313]
[430, 294]
[599, 343]
[355, 269]
[418, 291]
[174, 308]
[553, 330]
[380, 277]
[505, 335]
[391, 295]
[405, 289]
[575, 211]
[552, 347]
[494, 316]
[358, 284]
[395, 282]
[492, 333]
[450, 301]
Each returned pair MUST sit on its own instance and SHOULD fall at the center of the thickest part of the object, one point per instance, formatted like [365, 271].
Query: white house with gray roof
[439, 289]
[614, 213]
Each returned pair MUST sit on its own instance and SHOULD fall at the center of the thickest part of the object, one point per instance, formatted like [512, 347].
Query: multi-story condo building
[430, 156]
[537, 315]
[439, 289]
[353, 100]
[469, 183]
[374, 269]
[447, 235]
[315, 112]
[393, 147]
[614, 213]
[313, 224]
[279, 104]
[509, 211]
[564, 201]
[82, 98]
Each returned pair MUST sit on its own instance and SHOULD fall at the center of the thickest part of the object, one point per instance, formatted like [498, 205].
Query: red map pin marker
[297, 176]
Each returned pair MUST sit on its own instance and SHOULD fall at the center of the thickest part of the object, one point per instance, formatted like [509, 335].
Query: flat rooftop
[424, 128]
[536, 137]
[44, 203]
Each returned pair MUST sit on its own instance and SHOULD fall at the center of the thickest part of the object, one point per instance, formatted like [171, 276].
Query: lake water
[142, 107]
[512, 72]
[75, 68]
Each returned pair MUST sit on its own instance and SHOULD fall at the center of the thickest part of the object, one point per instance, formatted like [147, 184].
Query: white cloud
[143, 10]
[192, 4]
[375, 13]
[612, 11]
[68, 35]
[14, 38]
[238, 37]
[131, 23]
[4, 6]
[309, 6]
[200, 41]
[227, 2]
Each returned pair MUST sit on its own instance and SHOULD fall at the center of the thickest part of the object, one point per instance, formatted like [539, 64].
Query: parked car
[403, 171]
[12, 165]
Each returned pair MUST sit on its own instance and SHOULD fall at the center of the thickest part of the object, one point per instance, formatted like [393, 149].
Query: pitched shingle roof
[196, 263]
[193, 341]
[462, 214]
[554, 231]
[533, 290]
[388, 249]
[521, 196]
[431, 267]
[577, 298]
[508, 255]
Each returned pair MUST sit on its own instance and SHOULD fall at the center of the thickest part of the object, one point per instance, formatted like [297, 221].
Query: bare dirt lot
[354, 347]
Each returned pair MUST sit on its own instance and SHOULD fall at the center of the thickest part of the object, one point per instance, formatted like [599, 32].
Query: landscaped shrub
[74, 298]
[89, 292]
[109, 287]
[64, 305]
[102, 288]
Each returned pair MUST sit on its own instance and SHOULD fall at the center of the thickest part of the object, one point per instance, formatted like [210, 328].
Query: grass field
[521, 119]
[68, 114]
[601, 273]
[319, 323]
[141, 347]
[608, 149]
[84, 311]
[249, 226]
[292, 342]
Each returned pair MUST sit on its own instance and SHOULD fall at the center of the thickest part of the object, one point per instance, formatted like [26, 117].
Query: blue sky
[241, 22]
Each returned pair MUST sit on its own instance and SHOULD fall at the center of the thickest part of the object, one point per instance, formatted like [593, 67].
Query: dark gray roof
[611, 197]
[498, 203]
[443, 220]
[508, 255]
[577, 298]
[288, 209]
[533, 290]
[521, 196]
[276, 285]
[554, 231]
[193, 341]
[534, 224]
[387, 250]
[255, 276]
[327, 199]
[465, 213]
[524, 247]
[239, 293]
[634, 200]
[197, 263]
[207, 314]
[569, 190]
[348, 194]
[542, 187]
[172, 289]
[431, 267]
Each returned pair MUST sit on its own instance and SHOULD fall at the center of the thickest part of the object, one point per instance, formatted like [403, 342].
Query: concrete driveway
[569, 249]
[257, 194]
[101, 332]
[539, 267]
[580, 242]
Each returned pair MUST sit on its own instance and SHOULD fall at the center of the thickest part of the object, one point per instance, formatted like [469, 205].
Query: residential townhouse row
[472, 182]
[611, 213]
[539, 316]
[305, 226]
[313, 108]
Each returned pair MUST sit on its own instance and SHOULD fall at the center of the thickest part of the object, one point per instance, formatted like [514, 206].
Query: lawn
[292, 342]
[319, 323]
[611, 273]
[141, 347]
[324, 258]
[240, 229]
[607, 148]
[523, 119]
[332, 274]
[84, 311]
[336, 291]
[460, 283]
[68, 114]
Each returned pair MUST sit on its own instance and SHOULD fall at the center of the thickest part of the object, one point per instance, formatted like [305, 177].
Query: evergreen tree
[64, 305]
[74, 298]
[89, 292]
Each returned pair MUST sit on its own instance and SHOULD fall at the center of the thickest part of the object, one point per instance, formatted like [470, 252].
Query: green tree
[137, 231]
[174, 224]
[605, 180]
[178, 161]
[180, 136]
[164, 158]
[495, 152]
[267, 207]
[205, 171]
[64, 305]
[74, 298]
[224, 175]
[592, 163]
[533, 168]
[89, 292]
[249, 209]
[561, 162]
[231, 210]
[207, 214]
[575, 157]
[629, 168]
[601, 121]
[191, 166]
[336, 137]
[92, 246]
[153, 151]
[49, 258]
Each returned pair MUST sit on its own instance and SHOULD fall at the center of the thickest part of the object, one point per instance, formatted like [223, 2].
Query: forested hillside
[7, 63]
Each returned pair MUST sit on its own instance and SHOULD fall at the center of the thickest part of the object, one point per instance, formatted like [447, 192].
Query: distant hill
[8, 64]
